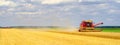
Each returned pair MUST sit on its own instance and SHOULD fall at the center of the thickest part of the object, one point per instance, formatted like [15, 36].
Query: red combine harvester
[88, 26]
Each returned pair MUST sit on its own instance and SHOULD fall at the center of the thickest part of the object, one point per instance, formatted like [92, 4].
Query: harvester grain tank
[88, 26]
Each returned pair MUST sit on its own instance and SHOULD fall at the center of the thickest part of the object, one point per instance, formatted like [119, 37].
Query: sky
[66, 13]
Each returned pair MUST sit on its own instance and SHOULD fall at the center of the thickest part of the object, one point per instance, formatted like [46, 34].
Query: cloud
[28, 5]
[65, 1]
[7, 3]
[118, 1]
[79, 0]
[55, 1]
[112, 11]
[110, 19]
[2, 12]
[91, 0]
[29, 13]
[66, 13]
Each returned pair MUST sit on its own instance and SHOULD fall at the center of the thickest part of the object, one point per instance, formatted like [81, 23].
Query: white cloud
[110, 19]
[79, 0]
[2, 12]
[95, 13]
[11, 9]
[23, 0]
[29, 13]
[118, 1]
[27, 5]
[103, 5]
[7, 3]
[96, 0]
[67, 8]
[55, 1]
[66, 1]
[112, 11]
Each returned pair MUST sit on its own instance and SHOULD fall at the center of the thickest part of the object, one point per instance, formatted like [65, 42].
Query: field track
[32, 37]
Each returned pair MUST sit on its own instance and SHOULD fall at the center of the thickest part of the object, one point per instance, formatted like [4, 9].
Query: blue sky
[67, 13]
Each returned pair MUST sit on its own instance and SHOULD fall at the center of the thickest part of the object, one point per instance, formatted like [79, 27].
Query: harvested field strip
[94, 34]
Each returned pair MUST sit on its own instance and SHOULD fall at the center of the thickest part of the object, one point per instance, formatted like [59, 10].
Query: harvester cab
[88, 26]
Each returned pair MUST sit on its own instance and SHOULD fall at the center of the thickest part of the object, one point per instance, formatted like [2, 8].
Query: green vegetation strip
[93, 34]
[111, 29]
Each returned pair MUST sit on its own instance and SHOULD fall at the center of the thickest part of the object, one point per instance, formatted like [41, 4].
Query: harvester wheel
[79, 30]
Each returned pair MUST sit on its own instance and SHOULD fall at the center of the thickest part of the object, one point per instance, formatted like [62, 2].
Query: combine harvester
[88, 26]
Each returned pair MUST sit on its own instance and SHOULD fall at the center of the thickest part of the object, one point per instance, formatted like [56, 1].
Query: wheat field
[40, 37]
